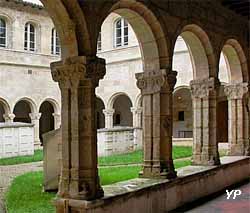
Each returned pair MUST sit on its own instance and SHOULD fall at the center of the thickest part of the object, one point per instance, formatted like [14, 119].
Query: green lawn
[38, 156]
[137, 156]
[25, 194]
[134, 157]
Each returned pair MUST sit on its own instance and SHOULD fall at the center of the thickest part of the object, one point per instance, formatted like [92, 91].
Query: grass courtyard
[131, 158]
[25, 195]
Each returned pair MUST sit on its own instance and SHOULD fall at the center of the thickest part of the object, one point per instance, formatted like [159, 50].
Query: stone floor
[8, 173]
[220, 204]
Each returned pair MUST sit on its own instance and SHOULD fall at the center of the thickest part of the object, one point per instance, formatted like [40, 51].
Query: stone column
[204, 96]
[35, 117]
[109, 113]
[156, 88]
[236, 115]
[137, 113]
[57, 120]
[9, 118]
[78, 77]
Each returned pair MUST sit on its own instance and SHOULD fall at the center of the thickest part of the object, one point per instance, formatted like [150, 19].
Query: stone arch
[122, 104]
[4, 109]
[46, 121]
[235, 60]
[153, 40]
[22, 110]
[30, 102]
[54, 103]
[200, 49]
[112, 99]
[64, 25]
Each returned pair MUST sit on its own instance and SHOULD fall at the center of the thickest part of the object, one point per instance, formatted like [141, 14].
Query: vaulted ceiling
[241, 7]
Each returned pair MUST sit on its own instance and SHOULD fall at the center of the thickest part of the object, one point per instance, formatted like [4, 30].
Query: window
[99, 42]
[29, 37]
[55, 43]
[121, 32]
[2, 33]
[181, 116]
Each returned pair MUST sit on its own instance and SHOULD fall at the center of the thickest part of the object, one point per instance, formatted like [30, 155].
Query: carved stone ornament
[74, 69]
[151, 82]
[236, 91]
[201, 88]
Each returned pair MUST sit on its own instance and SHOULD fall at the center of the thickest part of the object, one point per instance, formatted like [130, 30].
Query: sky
[34, 1]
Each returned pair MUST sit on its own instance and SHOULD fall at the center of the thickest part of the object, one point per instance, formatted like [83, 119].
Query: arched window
[121, 32]
[3, 32]
[29, 37]
[55, 43]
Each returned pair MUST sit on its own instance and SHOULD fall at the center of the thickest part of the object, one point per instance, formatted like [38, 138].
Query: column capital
[109, 111]
[35, 116]
[236, 91]
[9, 117]
[153, 81]
[202, 87]
[56, 114]
[71, 71]
[136, 109]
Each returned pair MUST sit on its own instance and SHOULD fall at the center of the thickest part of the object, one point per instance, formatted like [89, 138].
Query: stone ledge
[158, 195]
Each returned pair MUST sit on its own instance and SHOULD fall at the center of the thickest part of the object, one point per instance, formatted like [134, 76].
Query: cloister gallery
[200, 92]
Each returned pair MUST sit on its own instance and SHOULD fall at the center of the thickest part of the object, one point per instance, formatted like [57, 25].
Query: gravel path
[8, 173]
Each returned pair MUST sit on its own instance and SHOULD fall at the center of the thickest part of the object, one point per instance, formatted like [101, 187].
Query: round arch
[200, 49]
[153, 41]
[100, 117]
[22, 110]
[112, 99]
[4, 109]
[236, 61]
[54, 103]
[30, 102]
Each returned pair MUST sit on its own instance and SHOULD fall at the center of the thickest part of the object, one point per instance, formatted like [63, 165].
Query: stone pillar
[57, 120]
[156, 88]
[205, 146]
[78, 77]
[35, 117]
[109, 113]
[137, 113]
[236, 115]
[9, 118]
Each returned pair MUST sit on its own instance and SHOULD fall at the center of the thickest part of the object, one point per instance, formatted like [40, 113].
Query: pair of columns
[205, 127]
[78, 77]
[109, 115]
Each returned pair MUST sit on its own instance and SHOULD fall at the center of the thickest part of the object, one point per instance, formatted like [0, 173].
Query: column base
[151, 172]
[204, 160]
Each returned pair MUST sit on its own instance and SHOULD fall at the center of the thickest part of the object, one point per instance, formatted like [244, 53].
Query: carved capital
[236, 91]
[202, 88]
[70, 72]
[35, 116]
[109, 112]
[152, 82]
